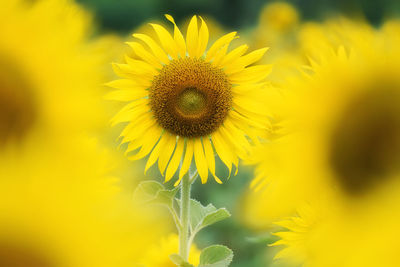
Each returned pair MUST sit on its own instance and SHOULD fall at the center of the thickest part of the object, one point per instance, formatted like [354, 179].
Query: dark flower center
[17, 110]
[190, 97]
[14, 256]
[365, 147]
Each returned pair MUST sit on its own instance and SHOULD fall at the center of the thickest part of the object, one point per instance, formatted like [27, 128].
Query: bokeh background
[125, 16]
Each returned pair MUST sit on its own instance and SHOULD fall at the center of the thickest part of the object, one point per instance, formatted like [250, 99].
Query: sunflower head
[342, 122]
[190, 97]
[188, 102]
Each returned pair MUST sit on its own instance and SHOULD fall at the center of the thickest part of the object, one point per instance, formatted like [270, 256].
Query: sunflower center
[190, 97]
[365, 148]
[17, 111]
[13, 256]
[191, 101]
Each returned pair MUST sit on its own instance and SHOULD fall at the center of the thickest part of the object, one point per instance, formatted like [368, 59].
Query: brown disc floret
[190, 97]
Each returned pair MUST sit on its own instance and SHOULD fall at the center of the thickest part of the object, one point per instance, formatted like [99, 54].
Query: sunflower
[49, 87]
[158, 255]
[341, 151]
[186, 102]
[340, 116]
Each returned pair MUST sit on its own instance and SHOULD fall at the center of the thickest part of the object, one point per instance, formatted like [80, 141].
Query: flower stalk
[184, 217]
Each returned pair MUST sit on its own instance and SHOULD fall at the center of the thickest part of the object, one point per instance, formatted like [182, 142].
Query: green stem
[185, 210]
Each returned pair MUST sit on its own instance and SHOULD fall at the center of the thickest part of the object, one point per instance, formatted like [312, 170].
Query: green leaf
[198, 212]
[203, 216]
[175, 258]
[165, 197]
[216, 256]
[154, 193]
[147, 191]
[213, 217]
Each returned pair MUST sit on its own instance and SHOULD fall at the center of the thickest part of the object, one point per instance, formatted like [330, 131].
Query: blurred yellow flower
[340, 154]
[59, 206]
[184, 103]
[50, 72]
[278, 28]
[158, 255]
[326, 146]
[279, 16]
[324, 233]
[314, 38]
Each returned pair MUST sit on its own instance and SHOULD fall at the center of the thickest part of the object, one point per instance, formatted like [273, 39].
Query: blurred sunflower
[50, 85]
[279, 16]
[278, 28]
[341, 152]
[62, 208]
[324, 233]
[313, 38]
[342, 121]
[185, 102]
[158, 255]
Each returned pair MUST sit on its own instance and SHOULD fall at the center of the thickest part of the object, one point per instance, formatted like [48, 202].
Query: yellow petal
[135, 129]
[245, 89]
[192, 37]
[200, 159]
[235, 138]
[155, 153]
[220, 56]
[155, 48]
[149, 140]
[260, 178]
[203, 38]
[251, 74]
[239, 119]
[132, 146]
[126, 95]
[210, 157]
[167, 150]
[246, 60]
[139, 77]
[233, 55]
[145, 55]
[178, 37]
[125, 84]
[175, 160]
[187, 159]
[129, 115]
[136, 136]
[252, 107]
[256, 117]
[166, 40]
[140, 67]
[224, 152]
[125, 114]
[221, 42]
